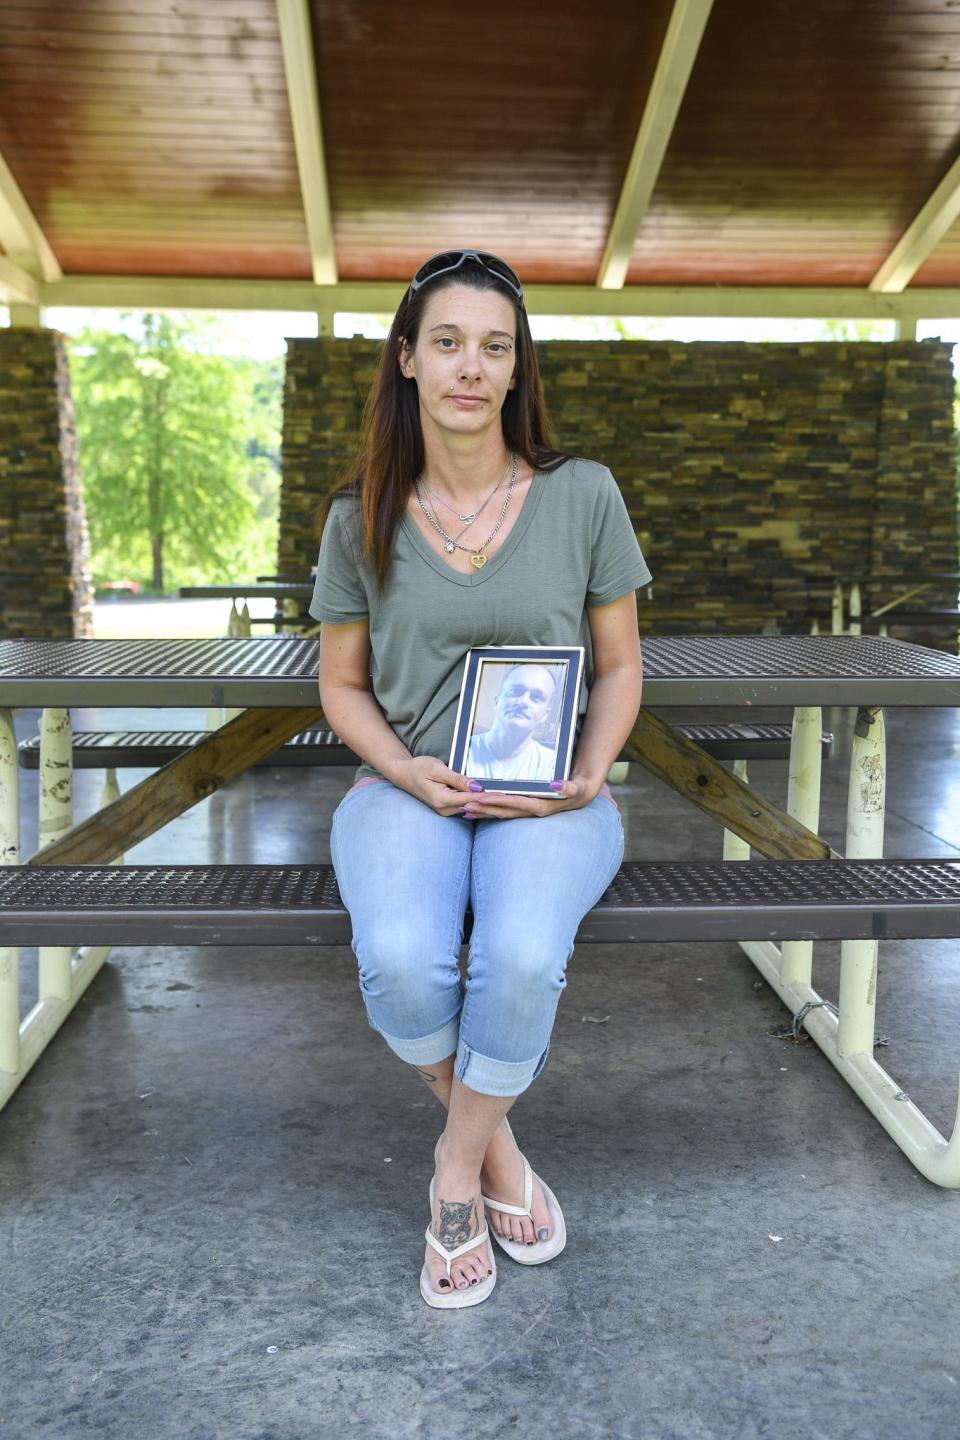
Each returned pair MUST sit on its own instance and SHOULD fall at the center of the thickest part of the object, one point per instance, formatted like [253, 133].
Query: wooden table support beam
[708, 785]
[167, 793]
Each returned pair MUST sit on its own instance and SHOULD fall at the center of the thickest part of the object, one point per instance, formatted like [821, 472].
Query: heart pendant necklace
[477, 556]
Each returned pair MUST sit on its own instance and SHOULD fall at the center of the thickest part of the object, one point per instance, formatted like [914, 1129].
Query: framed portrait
[517, 717]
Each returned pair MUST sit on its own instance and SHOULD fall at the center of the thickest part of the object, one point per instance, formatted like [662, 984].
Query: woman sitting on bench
[460, 525]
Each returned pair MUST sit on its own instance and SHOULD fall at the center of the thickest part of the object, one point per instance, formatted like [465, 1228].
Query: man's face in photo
[524, 698]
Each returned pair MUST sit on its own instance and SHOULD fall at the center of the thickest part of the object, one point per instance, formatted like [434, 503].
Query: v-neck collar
[497, 560]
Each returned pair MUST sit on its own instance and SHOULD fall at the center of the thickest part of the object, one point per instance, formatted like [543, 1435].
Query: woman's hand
[429, 780]
[571, 794]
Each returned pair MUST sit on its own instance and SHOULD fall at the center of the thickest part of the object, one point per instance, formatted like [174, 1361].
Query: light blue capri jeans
[406, 874]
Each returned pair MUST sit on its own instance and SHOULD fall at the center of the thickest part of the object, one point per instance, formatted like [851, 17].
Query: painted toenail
[543, 1234]
[444, 1284]
[473, 1282]
[462, 1285]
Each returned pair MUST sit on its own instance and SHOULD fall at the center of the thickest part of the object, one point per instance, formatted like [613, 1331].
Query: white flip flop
[457, 1299]
[543, 1250]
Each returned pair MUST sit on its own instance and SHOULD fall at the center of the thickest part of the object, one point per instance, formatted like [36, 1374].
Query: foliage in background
[179, 452]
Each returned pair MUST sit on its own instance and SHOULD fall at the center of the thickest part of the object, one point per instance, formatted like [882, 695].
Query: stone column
[325, 386]
[914, 527]
[45, 588]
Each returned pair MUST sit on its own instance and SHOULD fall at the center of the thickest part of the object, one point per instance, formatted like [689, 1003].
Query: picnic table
[291, 596]
[272, 589]
[276, 680]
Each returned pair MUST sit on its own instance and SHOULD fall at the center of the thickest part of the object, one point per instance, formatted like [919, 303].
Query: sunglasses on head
[450, 260]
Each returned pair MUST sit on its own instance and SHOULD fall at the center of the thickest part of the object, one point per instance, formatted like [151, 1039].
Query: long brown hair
[390, 454]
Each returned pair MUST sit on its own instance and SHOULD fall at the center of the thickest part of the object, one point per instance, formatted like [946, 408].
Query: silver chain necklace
[477, 558]
[468, 519]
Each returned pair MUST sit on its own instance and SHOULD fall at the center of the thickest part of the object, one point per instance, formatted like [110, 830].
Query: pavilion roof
[593, 143]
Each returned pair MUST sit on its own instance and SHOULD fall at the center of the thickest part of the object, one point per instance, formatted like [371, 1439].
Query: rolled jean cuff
[431, 1049]
[496, 1077]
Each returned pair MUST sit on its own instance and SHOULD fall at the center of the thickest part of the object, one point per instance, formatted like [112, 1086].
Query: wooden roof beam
[301, 74]
[681, 44]
[145, 292]
[25, 244]
[921, 236]
[16, 286]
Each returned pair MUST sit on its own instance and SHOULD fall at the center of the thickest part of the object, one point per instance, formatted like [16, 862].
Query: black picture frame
[490, 706]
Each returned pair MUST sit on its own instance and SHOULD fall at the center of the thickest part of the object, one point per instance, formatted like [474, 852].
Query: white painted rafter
[760, 301]
[681, 44]
[301, 75]
[21, 238]
[16, 286]
[921, 236]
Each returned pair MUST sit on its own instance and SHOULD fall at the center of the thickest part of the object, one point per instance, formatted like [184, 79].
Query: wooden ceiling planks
[810, 137]
[507, 127]
[153, 138]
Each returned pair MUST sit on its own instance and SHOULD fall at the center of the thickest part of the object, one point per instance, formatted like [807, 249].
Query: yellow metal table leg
[858, 958]
[56, 818]
[9, 855]
[803, 803]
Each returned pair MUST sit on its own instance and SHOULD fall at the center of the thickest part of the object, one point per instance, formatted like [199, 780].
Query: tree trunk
[156, 484]
[157, 544]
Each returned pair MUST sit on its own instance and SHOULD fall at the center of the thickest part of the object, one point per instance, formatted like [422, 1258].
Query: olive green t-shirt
[572, 546]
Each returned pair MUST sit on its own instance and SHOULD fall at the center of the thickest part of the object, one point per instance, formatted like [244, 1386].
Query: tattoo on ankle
[425, 1075]
[456, 1223]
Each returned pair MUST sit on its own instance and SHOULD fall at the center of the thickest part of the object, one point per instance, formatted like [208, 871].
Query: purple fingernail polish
[475, 786]
[556, 784]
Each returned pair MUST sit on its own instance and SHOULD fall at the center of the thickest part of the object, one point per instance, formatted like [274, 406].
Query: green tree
[179, 462]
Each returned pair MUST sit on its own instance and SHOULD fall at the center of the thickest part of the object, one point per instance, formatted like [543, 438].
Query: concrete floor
[213, 1186]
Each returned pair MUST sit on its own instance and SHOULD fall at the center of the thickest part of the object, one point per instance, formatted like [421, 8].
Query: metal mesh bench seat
[117, 749]
[114, 749]
[648, 900]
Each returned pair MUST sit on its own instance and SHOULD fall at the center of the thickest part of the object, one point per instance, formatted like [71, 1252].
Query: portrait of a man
[517, 745]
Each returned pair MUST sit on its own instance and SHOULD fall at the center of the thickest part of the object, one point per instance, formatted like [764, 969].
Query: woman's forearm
[611, 715]
[355, 716]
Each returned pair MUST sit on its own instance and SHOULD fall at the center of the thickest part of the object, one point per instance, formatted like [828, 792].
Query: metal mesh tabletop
[300, 904]
[796, 670]
[245, 672]
[732, 670]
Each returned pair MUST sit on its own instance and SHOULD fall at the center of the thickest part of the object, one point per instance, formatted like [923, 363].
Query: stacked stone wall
[45, 588]
[757, 475]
